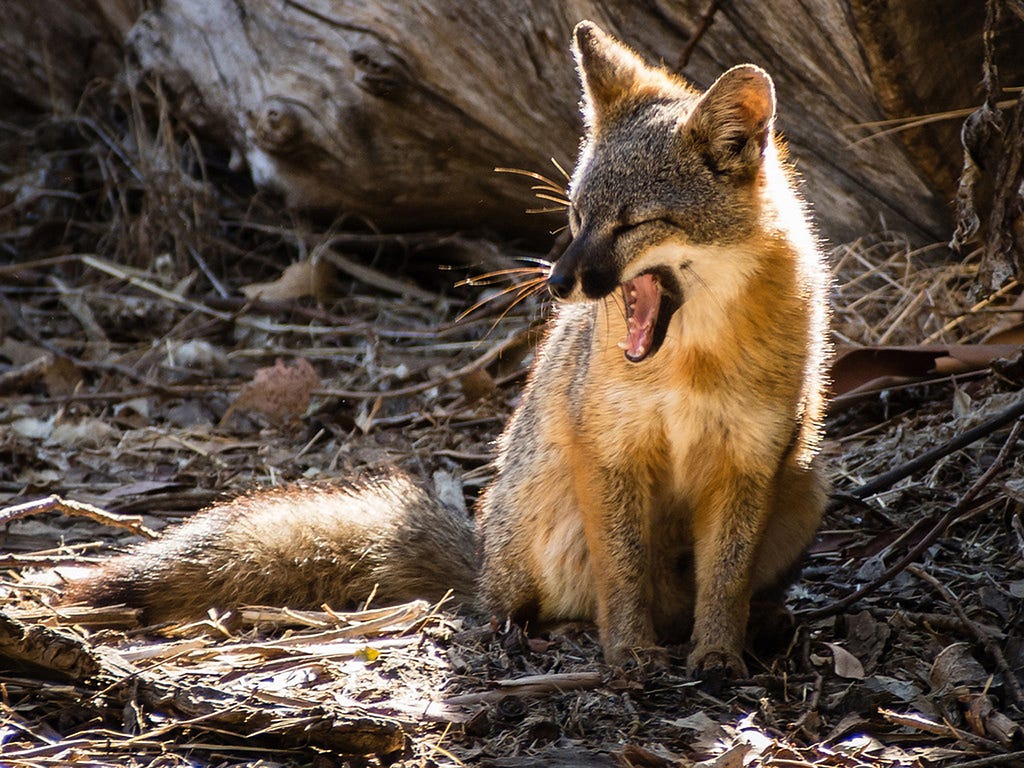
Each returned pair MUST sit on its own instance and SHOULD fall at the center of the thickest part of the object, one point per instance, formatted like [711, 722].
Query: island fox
[660, 472]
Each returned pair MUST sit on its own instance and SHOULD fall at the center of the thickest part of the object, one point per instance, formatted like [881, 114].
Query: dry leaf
[30, 363]
[845, 663]
[860, 371]
[477, 384]
[62, 377]
[448, 490]
[732, 758]
[138, 488]
[84, 433]
[635, 756]
[312, 277]
[281, 393]
[197, 354]
[33, 428]
[700, 722]
[866, 638]
[955, 666]
[20, 352]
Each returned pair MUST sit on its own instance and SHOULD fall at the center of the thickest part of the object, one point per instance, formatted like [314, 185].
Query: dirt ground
[156, 356]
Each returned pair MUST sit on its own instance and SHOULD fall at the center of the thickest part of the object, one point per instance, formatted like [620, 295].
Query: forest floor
[155, 356]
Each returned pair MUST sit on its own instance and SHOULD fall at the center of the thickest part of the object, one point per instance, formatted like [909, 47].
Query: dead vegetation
[156, 354]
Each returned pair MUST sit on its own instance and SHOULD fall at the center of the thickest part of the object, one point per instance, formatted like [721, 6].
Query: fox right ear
[733, 119]
[609, 71]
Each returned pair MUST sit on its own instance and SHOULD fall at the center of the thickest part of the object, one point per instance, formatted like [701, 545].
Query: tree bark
[399, 110]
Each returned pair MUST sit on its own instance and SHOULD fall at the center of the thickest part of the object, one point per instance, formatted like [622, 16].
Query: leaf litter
[168, 338]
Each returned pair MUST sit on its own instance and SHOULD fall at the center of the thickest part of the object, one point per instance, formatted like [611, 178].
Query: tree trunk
[399, 110]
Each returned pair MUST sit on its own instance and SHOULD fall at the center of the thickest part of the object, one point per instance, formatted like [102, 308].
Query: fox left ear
[734, 118]
[608, 70]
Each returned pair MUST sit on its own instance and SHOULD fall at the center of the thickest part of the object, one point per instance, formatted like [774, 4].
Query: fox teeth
[622, 344]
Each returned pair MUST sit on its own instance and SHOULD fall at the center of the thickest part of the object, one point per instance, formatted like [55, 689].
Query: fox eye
[622, 229]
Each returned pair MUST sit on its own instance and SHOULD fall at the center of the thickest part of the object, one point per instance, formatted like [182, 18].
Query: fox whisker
[554, 195]
[528, 289]
[535, 176]
[547, 189]
[490, 278]
[552, 199]
[704, 284]
[546, 263]
[561, 170]
[556, 209]
[521, 290]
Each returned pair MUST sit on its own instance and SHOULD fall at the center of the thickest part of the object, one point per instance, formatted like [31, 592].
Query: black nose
[562, 279]
[560, 285]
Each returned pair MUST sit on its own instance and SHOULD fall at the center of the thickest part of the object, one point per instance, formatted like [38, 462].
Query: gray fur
[296, 547]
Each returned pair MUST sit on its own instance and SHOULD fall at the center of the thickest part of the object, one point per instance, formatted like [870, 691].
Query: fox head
[665, 177]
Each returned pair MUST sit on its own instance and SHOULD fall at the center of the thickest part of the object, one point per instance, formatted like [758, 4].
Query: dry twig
[937, 530]
[55, 503]
[532, 685]
[706, 20]
[1010, 758]
[921, 723]
[929, 458]
[985, 638]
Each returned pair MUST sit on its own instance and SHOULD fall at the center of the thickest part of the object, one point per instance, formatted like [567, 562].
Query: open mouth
[651, 299]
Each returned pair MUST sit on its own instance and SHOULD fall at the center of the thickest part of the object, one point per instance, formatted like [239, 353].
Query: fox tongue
[642, 296]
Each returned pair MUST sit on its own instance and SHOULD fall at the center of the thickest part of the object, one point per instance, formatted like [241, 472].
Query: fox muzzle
[589, 260]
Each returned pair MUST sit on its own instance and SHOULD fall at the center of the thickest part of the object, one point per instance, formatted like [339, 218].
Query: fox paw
[638, 662]
[716, 665]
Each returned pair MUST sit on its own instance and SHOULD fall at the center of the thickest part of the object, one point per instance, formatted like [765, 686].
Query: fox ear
[607, 68]
[733, 119]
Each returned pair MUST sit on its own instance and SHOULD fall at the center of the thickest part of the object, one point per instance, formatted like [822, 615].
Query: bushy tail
[298, 547]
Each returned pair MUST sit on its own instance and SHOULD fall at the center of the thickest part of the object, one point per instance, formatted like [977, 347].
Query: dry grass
[889, 293]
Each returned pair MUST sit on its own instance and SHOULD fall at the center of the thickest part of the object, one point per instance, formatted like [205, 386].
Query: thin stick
[373, 277]
[534, 685]
[56, 503]
[986, 640]
[706, 20]
[937, 530]
[973, 310]
[1010, 758]
[25, 266]
[150, 287]
[928, 458]
[939, 729]
[492, 354]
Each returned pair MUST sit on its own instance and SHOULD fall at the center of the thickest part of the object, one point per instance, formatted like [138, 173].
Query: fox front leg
[728, 527]
[616, 524]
